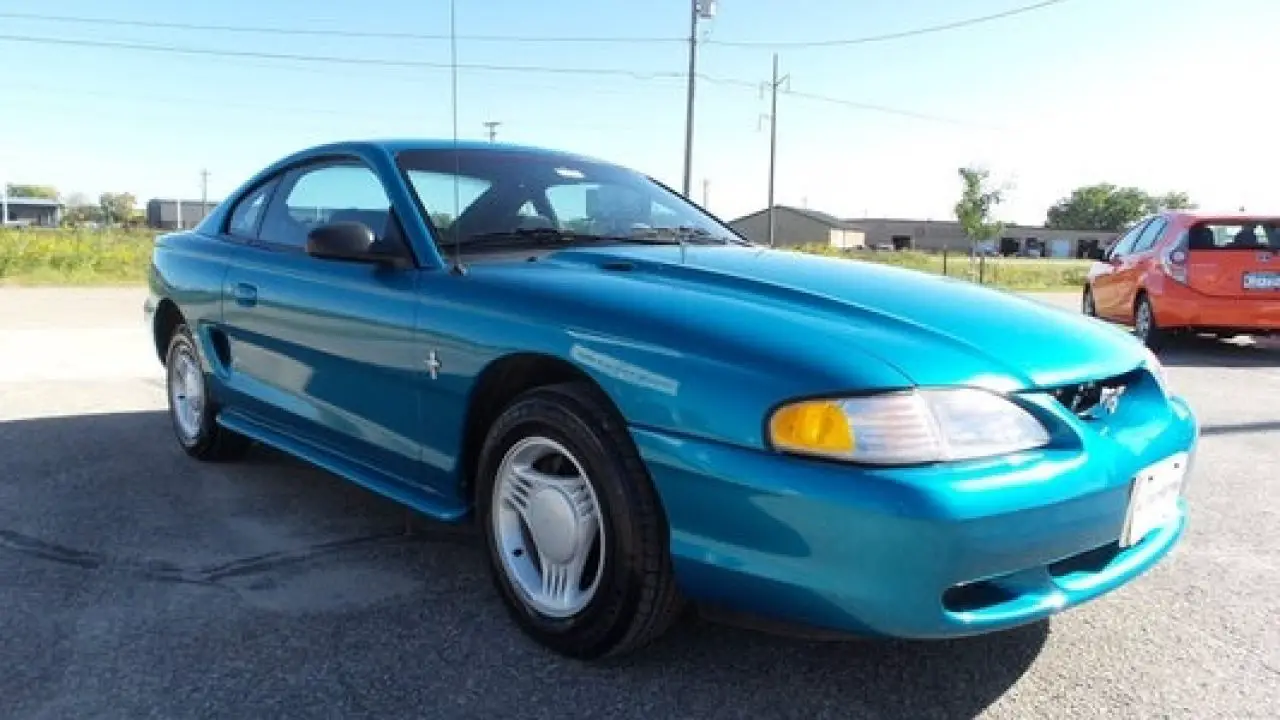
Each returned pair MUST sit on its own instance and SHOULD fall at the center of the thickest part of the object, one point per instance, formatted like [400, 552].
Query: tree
[1107, 208]
[977, 202]
[43, 192]
[118, 207]
[81, 210]
[1172, 201]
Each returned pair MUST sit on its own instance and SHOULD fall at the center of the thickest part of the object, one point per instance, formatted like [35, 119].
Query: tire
[1144, 323]
[630, 596]
[1086, 303]
[194, 423]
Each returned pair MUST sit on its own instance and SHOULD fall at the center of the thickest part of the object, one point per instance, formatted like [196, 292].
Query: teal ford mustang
[641, 410]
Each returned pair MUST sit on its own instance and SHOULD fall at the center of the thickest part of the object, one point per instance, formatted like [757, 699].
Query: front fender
[188, 270]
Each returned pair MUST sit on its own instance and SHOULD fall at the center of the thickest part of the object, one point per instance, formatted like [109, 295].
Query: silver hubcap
[186, 393]
[546, 524]
[1143, 321]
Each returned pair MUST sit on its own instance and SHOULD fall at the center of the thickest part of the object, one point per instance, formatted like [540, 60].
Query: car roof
[1197, 215]
[399, 145]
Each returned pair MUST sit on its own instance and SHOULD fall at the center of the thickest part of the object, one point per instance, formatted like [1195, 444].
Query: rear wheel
[576, 538]
[191, 407]
[1144, 323]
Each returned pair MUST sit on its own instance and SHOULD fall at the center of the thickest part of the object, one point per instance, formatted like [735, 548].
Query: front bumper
[925, 552]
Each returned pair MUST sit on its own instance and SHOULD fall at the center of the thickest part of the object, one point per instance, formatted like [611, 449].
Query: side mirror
[349, 241]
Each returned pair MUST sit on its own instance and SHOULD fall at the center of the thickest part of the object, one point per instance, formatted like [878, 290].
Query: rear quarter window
[246, 216]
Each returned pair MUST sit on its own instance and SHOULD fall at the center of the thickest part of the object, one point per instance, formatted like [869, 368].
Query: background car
[639, 409]
[1183, 272]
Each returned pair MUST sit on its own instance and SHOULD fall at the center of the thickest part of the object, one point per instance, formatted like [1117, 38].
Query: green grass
[120, 257]
[74, 257]
[1007, 273]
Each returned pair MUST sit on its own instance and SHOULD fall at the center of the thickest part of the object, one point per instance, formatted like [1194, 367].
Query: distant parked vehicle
[1183, 272]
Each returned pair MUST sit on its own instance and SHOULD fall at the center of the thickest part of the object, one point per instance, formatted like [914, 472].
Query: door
[1127, 277]
[1105, 277]
[324, 350]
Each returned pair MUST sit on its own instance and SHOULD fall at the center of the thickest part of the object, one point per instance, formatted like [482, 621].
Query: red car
[1187, 272]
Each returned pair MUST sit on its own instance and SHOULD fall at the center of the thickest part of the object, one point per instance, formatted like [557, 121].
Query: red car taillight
[1174, 260]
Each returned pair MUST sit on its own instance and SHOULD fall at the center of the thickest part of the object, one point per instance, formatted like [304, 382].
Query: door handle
[245, 294]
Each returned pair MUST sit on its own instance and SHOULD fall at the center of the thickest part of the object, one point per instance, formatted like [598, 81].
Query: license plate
[1153, 501]
[1262, 281]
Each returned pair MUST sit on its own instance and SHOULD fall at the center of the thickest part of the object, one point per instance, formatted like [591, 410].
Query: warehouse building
[1021, 240]
[795, 226]
[163, 213]
[30, 212]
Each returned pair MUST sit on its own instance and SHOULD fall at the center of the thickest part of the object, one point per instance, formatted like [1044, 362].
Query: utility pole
[492, 126]
[773, 136]
[178, 219]
[698, 9]
[706, 192]
[204, 193]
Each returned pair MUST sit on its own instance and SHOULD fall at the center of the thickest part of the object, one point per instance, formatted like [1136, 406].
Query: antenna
[457, 269]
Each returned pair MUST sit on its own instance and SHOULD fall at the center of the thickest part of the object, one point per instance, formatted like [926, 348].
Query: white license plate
[1262, 281]
[1153, 501]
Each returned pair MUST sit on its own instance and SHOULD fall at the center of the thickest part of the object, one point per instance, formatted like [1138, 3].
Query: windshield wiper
[683, 234]
[552, 236]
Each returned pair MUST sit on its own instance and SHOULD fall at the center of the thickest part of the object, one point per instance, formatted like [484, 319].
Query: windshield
[471, 195]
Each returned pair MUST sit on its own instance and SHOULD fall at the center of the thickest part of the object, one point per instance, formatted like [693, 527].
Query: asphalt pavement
[136, 583]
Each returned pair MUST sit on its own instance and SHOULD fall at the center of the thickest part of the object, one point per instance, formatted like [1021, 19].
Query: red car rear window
[1235, 235]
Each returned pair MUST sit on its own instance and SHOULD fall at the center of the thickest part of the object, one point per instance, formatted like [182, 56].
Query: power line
[389, 35]
[378, 34]
[385, 62]
[871, 107]
[884, 109]
[887, 36]
[379, 62]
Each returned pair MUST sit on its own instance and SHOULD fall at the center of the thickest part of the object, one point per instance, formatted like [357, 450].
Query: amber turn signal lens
[812, 426]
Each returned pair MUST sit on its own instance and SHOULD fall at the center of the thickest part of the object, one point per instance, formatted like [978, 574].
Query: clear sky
[1163, 94]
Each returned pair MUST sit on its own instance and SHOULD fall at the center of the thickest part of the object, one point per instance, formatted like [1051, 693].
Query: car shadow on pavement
[245, 576]
[862, 677]
[1208, 352]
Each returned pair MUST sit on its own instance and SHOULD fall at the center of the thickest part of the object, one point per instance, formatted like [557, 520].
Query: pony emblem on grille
[1109, 398]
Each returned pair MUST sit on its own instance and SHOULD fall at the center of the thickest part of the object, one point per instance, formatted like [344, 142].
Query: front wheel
[191, 408]
[575, 535]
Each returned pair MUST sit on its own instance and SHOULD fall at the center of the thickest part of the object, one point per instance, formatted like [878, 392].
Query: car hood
[933, 330]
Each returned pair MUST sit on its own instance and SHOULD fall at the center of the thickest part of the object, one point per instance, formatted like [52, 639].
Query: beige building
[795, 226]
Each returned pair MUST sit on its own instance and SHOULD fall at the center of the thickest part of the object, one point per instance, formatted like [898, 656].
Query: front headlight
[903, 428]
